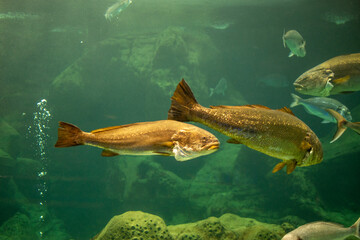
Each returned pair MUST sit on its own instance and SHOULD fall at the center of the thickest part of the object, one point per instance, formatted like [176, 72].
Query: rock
[8, 135]
[134, 225]
[17, 228]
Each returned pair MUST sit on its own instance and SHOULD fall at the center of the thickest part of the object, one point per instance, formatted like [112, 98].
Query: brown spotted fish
[277, 133]
[165, 137]
[340, 74]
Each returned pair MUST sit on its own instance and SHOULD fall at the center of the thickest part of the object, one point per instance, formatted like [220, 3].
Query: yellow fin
[168, 144]
[287, 110]
[278, 167]
[162, 153]
[305, 145]
[108, 153]
[233, 141]
[291, 166]
[341, 80]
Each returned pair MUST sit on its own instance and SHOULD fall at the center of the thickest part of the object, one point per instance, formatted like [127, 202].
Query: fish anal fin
[108, 153]
[162, 153]
[290, 166]
[286, 110]
[291, 54]
[233, 141]
[341, 80]
[278, 167]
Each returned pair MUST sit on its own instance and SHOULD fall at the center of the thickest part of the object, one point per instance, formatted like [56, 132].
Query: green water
[97, 73]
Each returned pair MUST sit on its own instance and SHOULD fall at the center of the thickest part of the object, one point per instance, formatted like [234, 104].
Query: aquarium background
[96, 73]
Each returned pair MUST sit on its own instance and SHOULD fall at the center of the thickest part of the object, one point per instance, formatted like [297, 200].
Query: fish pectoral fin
[233, 141]
[290, 166]
[286, 110]
[168, 144]
[325, 121]
[108, 153]
[278, 167]
[181, 154]
[341, 80]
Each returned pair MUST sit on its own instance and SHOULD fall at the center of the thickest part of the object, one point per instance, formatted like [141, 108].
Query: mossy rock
[135, 225]
[17, 228]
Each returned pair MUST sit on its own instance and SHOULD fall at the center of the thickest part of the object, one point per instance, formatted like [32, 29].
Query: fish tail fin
[356, 225]
[68, 135]
[341, 124]
[181, 103]
[211, 91]
[296, 100]
[283, 38]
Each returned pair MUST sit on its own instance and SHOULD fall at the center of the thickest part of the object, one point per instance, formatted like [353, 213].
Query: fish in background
[277, 133]
[164, 137]
[323, 231]
[295, 42]
[220, 87]
[340, 74]
[274, 80]
[221, 25]
[18, 16]
[339, 18]
[343, 124]
[317, 106]
[114, 10]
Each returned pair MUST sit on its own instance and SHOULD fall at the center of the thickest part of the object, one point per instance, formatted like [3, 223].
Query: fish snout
[298, 86]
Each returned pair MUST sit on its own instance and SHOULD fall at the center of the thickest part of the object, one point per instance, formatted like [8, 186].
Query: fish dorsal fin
[256, 106]
[286, 110]
[116, 127]
[108, 153]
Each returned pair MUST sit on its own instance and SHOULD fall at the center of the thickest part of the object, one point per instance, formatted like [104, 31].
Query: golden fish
[277, 133]
[340, 74]
[165, 137]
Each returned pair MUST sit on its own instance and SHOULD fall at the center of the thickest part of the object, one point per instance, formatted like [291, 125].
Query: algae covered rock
[17, 228]
[134, 225]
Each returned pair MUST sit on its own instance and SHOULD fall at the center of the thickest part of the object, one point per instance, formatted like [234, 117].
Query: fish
[295, 42]
[220, 87]
[339, 18]
[114, 10]
[342, 124]
[317, 106]
[323, 231]
[163, 137]
[274, 80]
[277, 133]
[18, 16]
[340, 74]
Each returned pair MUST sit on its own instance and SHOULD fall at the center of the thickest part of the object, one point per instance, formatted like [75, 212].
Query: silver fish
[317, 106]
[340, 74]
[115, 9]
[342, 125]
[323, 231]
[220, 88]
[295, 42]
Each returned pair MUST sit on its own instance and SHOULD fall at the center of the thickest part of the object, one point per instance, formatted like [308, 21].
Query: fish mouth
[214, 147]
[298, 86]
